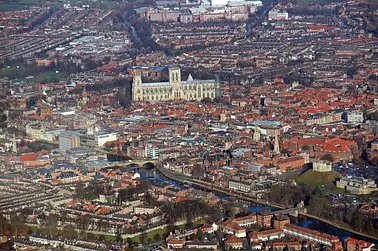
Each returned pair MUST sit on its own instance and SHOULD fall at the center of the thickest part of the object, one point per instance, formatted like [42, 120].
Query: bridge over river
[244, 197]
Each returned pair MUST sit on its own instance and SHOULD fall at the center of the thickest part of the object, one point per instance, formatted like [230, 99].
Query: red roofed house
[357, 245]
[264, 218]
[290, 163]
[233, 228]
[310, 235]
[339, 149]
[292, 245]
[246, 220]
[266, 235]
[173, 243]
[233, 243]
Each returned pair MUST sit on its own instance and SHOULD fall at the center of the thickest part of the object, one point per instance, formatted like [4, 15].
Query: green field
[46, 77]
[19, 5]
[162, 232]
[315, 178]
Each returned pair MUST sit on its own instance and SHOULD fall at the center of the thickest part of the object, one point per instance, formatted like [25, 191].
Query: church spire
[14, 146]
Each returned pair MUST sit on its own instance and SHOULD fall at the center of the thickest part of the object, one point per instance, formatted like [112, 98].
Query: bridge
[295, 211]
[244, 197]
[128, 161]
[127, 165]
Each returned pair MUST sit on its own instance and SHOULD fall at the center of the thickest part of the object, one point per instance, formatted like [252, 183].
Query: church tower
[276, 144]
[256, 134]
[137, 86]
[175, 82]
[14, 144]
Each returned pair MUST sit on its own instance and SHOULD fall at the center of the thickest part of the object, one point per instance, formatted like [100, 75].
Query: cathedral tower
[137, 86]
[175, 82]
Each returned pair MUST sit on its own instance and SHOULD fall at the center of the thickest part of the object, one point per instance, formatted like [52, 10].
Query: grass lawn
[19, 5]
[315, 178]
[46, 77]
[163, 231]
[106, 237]
[337, 190]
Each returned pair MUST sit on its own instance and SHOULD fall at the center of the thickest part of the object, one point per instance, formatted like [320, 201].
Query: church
[191, 89]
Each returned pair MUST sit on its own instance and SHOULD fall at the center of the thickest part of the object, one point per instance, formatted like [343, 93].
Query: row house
[233, 228]
[246, 220]
[266, 235]
[310, 235]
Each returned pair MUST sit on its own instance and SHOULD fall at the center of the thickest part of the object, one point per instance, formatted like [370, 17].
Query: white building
[102, 138]
[278, 15]
[219, 2]
[355, 117]
[152, 150]
[239, 186]
[322, 166]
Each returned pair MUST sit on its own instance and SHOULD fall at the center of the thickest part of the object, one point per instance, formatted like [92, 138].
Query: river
[301, 221]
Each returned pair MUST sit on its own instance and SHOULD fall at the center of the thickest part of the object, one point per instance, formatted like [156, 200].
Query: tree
[51, 224]
[119, 237]
[83, 222]
[90, 236]
[69, 232]
[129, 242]
[143, 238]
[4, 224]
[206, 100]
[328, 157]
[286, 195]
[17, 225]
[157, 237]
[319, 206]
[305, 148]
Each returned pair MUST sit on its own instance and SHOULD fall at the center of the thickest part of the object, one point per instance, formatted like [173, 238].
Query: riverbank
[186, 180]
[176, 177]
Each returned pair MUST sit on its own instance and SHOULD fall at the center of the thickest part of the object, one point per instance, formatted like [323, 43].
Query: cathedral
[191, 89]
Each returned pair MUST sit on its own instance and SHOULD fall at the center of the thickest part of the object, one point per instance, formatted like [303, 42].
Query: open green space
[163, 232]
[19, 5]
[337, 190]
[150, 236]
[46, 77]
[315, 178]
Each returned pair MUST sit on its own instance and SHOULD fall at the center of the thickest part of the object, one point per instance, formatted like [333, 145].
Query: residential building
[311, 235]
[68, 141]
[352, 244]
[355, 117]
[173, 243]
[278, 15]
[292, 246]
[233, 243]
[266, 235]
[152, 150]
[202, 245]
[144, 209]
[246, 220]
[239, 186]
[280, 221]
[264, 218]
